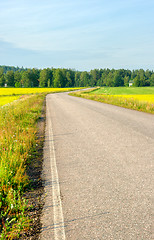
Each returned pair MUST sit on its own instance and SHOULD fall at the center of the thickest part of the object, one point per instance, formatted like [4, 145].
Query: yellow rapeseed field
[21, 91]
[141, 98]
[8, 99]
[8, 95]
[144, 102]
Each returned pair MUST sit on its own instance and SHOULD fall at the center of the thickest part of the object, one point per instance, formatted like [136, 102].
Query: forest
[61, 77]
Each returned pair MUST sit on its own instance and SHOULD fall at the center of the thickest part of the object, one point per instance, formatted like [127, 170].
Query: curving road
[98, 162]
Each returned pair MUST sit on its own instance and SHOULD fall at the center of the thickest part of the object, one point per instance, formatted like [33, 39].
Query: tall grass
[144, 103]
[140, 98]
[17, 141]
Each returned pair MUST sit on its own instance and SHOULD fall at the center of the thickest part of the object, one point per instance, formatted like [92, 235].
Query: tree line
[61, 77]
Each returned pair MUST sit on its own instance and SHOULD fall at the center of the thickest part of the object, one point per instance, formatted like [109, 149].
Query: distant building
[131, 83]
[5, 85]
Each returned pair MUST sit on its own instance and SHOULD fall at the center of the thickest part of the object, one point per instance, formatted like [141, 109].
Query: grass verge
[144, 103]
[18, 140]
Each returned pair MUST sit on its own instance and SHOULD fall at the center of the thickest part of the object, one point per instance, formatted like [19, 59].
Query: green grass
[124, 90]
[141, 99]
[17, 141]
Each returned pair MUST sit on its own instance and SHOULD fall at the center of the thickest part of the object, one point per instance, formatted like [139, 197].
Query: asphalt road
[103, 156]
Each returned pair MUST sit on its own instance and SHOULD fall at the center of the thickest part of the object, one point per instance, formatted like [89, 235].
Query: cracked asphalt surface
[104, 158]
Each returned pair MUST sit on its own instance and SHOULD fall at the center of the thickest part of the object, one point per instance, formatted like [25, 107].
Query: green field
[124, 90]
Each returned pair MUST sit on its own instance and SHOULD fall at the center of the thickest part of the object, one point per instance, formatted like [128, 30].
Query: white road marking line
[59, 231]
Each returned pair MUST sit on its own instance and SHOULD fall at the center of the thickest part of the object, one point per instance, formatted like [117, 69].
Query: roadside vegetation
[141, 99]
[8, 95]
[18, 143]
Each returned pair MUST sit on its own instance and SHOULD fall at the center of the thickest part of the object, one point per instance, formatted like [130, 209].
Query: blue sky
[79, 34]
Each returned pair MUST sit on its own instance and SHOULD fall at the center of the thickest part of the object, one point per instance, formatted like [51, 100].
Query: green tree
[9, 76]
[2, 78]
[58, 78]
[94, 77]
[77, 79]
[148, 74]
[17, 79]
[25, 79]
[118, 79]
[34, 75]
[100, 82]
[134, 74]
[45, 79]
[18, 85]
[152, 80]
[141, 74]
[137, 81]
[71, 78]
[104, 76]
[126, 81]
[68, 79]
[109, 81]
[2, 81]
[84, 79]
